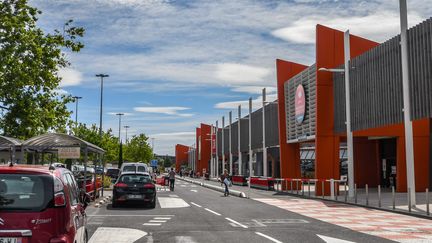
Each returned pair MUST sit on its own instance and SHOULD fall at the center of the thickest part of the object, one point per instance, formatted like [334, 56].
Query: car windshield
[25, 192]
[134, 178]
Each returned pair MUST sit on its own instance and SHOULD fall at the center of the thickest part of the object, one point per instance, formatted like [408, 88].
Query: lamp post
[240, 164]
[101, 76]
[126, 128]
[223, 144]
[347, 111]
[409, 147]
[119, 115]
[76, 98]
[229, 144]
[264, 133]
[217, 153]
[250, 145]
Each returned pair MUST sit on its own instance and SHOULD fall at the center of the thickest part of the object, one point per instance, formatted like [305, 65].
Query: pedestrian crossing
[157, 221]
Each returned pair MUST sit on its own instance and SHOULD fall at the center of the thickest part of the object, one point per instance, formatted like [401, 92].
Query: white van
[134, 167]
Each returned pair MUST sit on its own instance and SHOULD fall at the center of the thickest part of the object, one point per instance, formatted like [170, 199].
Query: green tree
[29, 63]
[138, 149]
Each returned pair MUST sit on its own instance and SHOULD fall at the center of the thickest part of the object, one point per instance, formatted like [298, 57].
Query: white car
[134, 167]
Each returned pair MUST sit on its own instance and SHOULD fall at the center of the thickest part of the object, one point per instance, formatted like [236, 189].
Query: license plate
[132, 197]
[10, 240]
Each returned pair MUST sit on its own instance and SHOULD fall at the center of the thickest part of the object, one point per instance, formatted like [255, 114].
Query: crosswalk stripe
[152, 224]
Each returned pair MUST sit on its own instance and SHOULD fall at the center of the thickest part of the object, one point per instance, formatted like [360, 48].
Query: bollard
[427, 202]
[367, 195]
[409, 199]
[337, 190]
[379, 196]
[332, 191]
[302, 188]
[322, 189]
[309, 188]
[393, 198]
[292, 190]
[355, 193]
[297, 187]
[286, 185]
[345, 191]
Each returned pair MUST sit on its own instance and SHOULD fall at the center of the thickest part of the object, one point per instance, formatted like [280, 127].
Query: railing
[338, 188]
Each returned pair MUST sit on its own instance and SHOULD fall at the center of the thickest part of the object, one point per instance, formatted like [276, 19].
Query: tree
[138, 149]
[29, 63]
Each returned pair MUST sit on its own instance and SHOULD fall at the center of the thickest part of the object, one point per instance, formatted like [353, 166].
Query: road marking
[173, 195]
[268, 237]
[162, 218]
[131, 215]
[211, 211]
[183, 185]
[333, 240]
[282, 221]
[152, 224]
[196, 204]
[184, 239]
[237, 223]
[111, 234]
[157, 221]
[194, 191]
[172, 202]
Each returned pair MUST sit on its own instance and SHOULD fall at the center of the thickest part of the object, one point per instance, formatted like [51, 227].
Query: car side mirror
[84, 198]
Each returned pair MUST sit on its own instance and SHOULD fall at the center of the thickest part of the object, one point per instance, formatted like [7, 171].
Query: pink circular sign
[300, 104]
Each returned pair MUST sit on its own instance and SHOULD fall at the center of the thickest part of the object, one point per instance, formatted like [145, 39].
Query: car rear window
[129, 168]
[141, 169]
[128, 179]
[25, 192]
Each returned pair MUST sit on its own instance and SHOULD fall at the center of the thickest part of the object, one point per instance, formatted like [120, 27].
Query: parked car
[134, 187]
[113, 173]
[134, 167]
[41, 204]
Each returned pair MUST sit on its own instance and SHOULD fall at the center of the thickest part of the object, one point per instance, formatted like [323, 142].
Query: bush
[107, 182]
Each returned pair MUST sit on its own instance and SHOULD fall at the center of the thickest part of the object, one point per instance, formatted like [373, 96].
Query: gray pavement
[196, 214]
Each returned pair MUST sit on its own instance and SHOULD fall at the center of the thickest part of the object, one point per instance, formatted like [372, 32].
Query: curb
[215, 188]
[102, 201]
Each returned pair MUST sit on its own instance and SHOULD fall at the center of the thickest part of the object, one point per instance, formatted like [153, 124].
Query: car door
[77, 209]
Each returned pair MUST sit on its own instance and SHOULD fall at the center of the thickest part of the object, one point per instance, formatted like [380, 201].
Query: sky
[174, 64]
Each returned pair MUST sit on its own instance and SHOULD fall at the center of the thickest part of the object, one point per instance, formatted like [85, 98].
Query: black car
[134, 187]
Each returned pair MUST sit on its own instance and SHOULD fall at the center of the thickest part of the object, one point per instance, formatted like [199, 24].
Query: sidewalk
[370, 201]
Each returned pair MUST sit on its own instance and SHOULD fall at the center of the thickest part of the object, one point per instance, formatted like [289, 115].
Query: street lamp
[101, 76]
[119, 115]
[76, 98]
[126, 127]
[347, 111]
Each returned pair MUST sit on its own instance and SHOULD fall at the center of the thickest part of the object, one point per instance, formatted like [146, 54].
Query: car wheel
[114, 204]
[153, 204]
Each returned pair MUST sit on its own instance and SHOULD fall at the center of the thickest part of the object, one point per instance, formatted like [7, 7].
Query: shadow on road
[128, 206]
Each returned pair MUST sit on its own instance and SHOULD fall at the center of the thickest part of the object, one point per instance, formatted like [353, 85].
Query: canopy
[52, 141]
[7, 142]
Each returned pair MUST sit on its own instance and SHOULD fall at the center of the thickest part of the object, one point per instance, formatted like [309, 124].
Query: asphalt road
[197, 214]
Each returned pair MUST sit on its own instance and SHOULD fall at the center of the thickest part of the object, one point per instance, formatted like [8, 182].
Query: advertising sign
[300, 104]
[69, 153]
[154, 163]
[213, 144]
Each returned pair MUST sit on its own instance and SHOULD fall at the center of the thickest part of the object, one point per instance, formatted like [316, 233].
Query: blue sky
[174, 64]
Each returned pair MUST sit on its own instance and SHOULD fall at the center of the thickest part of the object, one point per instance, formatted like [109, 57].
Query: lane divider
[237, 223]
[213, 212]
[268, 237]
[196, 205]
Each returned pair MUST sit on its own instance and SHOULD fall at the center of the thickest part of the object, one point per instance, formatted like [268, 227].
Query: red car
[40, 204]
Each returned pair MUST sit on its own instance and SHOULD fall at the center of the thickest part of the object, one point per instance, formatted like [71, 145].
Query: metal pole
[229, 143]
[102, 76]
[211, 151]
[309, 188]
[427, 202]
[348, 116]
[355, 193]
[223, 144]
[217, 153]
[119, 115]
[409, 199]
[240, 164]
[345, 191]
[379, 196]
[264, 133]
[126, 128]
[393, 198]
[292, 190]
[76, 109]
[409, 147]
[322, 189]
[367, 195]
[250, 144]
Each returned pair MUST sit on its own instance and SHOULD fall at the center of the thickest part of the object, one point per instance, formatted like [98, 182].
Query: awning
[51, 141]
[8, 142]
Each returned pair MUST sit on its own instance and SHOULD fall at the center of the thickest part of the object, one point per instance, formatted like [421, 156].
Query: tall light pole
[120, 115]
[229, 144]
[264, 133]
[223, 144]
[126, 128]
[240, 164]
[409, 147]
[217, 153]
[76, 98]
[250, 144]
[101, 76]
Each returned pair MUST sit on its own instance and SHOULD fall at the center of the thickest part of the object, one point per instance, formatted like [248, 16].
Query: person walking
[225, 180]
[172, 179]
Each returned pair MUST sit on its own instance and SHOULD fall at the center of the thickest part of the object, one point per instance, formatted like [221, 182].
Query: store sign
[300, 104]
[69, 153]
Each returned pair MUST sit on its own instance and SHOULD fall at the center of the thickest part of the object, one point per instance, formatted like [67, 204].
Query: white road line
[162, 218]
[194, 191]
[157, 221]
[213, 212]
[172, 202]
[237, 223]
[268, 237]
[196, 204]
[152, 224]
[110, 234]
[131, 215]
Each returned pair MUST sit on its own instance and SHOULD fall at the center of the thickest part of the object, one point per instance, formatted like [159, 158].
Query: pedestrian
[172, 179]
[226, 182]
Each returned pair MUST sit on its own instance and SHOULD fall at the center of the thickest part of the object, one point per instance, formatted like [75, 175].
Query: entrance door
[388, 162]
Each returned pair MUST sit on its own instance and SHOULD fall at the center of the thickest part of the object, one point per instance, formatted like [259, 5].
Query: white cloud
[61, 92]
[253, 89]
[169, 110]
[239, 74]
[124, 113]
[256, 103]
[70, 77]
[303, 30]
